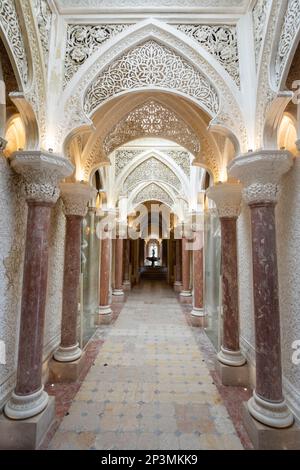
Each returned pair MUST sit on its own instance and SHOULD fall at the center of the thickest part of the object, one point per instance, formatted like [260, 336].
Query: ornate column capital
[41, 172]
[261, 172]
[75, 197]
[227, 197]
[3, 144]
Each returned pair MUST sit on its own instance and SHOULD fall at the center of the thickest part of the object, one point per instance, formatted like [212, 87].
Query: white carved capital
[75, 197]
[227, 197]
[3, 143]
[261, 172]
[41, 172]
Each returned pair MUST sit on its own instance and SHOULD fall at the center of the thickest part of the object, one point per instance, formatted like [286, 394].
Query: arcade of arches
[150, 231]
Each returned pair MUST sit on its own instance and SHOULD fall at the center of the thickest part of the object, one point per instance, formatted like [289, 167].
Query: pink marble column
[126, 265]
[75, 197]
[260, 172]
[41, 172]
[105, 258]
[178, 265]
[118, 289]
[227, 198]
[198, 275]
[186, 290]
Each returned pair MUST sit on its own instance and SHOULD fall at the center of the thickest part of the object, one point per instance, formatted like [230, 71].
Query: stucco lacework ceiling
[152, 119]
[149, 114]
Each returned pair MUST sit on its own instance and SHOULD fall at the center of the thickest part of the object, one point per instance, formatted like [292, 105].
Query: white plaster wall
[55, 279]
[245, 284]
[12, 237]
[13, 214]
[288, 247]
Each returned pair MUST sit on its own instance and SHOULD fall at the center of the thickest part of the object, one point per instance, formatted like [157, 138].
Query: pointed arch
[147, 191]
[165, 160]
[177, 43]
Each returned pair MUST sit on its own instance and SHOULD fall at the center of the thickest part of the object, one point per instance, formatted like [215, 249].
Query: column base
[126, 285]
[233, 376]
[26, 406]
[198, 318]
[266, 438]
[104, 315]
[26, 434]
[276, 415]
[104, 310]
[118, 292]
[66, 371]
[185, 293]
[177, 286]
[231, 358]
[68, 354]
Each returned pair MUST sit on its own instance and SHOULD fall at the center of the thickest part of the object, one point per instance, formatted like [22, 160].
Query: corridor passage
[149, 387]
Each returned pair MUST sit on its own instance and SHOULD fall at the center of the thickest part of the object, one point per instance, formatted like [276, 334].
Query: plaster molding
[227, 198]
[289, 33]
[75, 197]
[261, 172]
[152, 119]
[10, 25]
[41, 172]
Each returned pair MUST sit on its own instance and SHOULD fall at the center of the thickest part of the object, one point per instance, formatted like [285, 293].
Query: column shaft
[198, 275]
[126, 263]
[69, 350]
[29, 371]
[178, 268]
[185, 269]
[229, 285]
[266, 303]
[104, 307]
[118, 289]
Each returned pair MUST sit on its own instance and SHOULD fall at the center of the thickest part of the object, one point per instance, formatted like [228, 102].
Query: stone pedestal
[27, 434]
[260, 172]
[227, 198]
[186, 290]
[267, 438]
[118, 289]
[66, 371]
[40, 172]
[75, 197]
[233, 376]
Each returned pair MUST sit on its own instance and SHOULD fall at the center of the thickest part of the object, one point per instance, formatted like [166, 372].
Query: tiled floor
[149, 387]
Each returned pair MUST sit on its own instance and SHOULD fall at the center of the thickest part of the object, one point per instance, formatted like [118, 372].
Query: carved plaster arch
[160, 157]
[15, 43]
[208, 157]
[154, 188]
[33, 79]
[152, 119]
[230, 114]
[271, 98]
[286, 42]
